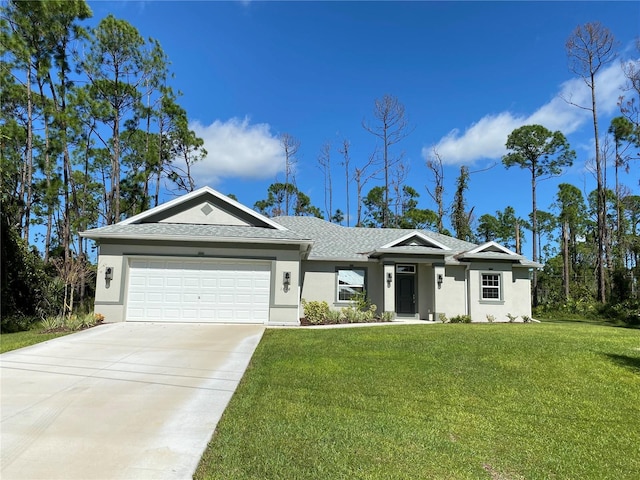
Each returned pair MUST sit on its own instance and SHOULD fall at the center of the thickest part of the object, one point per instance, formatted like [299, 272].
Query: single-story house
[204, 257]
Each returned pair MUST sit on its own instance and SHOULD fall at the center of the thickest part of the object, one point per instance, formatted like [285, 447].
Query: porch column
[389, 297]
[438, 291]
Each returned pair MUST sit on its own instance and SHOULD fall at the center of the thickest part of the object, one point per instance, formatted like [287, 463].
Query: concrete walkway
[119, 401]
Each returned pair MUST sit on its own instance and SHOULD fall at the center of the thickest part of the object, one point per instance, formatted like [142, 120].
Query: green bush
[17, 323]
[461, 319]
[512, 318]
[71, 324]
[334, 317]
[50, 324]
[388, 316]
[526, 319]
[315, 312]
[27, 295]
[627, 312]
[74, 323]
[443, 318]
[361, 302]
[352, 314]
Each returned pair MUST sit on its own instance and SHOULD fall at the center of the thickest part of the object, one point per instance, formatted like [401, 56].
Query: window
[490, 288]
[350, 284]
[405, 269]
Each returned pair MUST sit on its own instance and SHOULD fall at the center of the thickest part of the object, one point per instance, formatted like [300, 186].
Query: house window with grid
[490, 286]
[350, 284]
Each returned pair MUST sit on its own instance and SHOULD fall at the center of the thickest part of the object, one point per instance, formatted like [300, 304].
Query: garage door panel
[172, 298]
[155, 281]
[198, 291]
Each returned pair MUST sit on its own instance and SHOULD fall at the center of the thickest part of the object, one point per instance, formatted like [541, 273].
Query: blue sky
[468, 73]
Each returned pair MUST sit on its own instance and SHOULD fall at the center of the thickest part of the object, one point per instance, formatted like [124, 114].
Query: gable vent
[206, 209]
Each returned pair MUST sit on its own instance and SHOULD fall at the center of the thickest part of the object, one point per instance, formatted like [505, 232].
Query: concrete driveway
[119, 401]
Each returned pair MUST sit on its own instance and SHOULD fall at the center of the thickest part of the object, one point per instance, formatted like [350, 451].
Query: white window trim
[364, 287]
[500, 298]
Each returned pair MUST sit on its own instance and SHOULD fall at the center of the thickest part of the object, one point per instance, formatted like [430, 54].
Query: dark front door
[405, 294]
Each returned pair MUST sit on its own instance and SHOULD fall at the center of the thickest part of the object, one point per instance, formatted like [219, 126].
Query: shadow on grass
[632, 363]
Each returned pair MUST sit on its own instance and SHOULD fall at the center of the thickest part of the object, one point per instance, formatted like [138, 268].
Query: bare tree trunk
[590, 47]
[47, 173]
[61, 106]
[361, 177]
[28, 176]
[345, 153]
[115, 173]
[602, 202]
[324, 164]
[534, 232]
[393, 127]
[565, 259]
[145, 191]
[435, 165]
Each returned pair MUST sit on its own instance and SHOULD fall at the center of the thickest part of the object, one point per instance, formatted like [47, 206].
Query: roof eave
[194, 238]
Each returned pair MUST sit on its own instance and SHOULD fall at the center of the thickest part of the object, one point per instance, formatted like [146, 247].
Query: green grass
[499, 401]
[13, 341]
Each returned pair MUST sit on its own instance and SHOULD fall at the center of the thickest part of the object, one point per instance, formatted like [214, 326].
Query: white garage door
[199, 290]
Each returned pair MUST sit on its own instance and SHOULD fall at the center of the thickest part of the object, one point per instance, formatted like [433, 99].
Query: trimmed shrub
[334, 316]
[315, 311]
[461, 319]
[512, 318]
[51, 324]
[388, 316]
[443, 318]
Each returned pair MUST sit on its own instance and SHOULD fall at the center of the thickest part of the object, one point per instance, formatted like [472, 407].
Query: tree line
[91, 128]
[591, 244]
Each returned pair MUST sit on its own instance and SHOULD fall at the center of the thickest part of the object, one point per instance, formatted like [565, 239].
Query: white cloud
[235, 148]
[485, 139]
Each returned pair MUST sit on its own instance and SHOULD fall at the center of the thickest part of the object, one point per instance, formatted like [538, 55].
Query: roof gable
[492, 247]
[204, 206]
[416, 239]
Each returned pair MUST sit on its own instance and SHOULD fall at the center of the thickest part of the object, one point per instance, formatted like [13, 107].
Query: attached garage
[198, 290]
[202, 257]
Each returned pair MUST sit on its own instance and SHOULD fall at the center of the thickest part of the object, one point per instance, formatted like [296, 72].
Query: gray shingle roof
[329, 240]
[332, 241]
[191, 232]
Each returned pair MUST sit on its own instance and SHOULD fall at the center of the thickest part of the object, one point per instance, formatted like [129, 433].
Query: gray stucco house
[204, 257]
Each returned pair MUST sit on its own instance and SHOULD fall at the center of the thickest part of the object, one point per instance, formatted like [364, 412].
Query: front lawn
[494, 401]
[13, 341]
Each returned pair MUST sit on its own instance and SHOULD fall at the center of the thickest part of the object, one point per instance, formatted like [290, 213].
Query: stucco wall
[319, 282]
[450, 296]
[515, 292]
[111, 295]
[426, 295]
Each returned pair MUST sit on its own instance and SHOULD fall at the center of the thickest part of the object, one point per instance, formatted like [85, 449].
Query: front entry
[405, 293]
